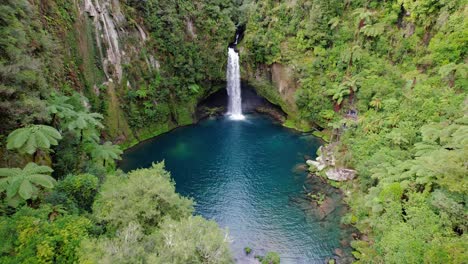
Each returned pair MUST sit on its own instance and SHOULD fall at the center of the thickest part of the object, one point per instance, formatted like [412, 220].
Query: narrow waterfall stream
[234, 85]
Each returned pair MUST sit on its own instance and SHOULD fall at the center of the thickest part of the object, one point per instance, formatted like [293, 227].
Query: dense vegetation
[395, 77]
[62, 200]
[386, 81]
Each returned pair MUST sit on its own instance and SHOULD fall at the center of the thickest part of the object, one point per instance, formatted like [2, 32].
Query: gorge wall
[144, 65]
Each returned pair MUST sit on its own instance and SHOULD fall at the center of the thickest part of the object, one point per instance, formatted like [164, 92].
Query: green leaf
[25, 190]
[43, 180]
[13, 187]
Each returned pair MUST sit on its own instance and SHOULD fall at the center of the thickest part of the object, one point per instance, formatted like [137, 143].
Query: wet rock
[340, 174]
[327, 207]
[344, 243]
[339, 252]
[275, 114]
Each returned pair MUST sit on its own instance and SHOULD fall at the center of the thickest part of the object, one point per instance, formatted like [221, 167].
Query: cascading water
[234, 85]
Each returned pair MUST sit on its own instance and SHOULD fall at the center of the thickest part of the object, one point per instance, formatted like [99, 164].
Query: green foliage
[247, 250]
[59, 105]
[33, 137]
[105, 153]
[192, 240]
[269, 258]
[24, 184]
[190, 37]
[42, 235]
[78, 190]
[395, 71]
[22, 73]
[83, 122]
[145, 196]
[148, 222]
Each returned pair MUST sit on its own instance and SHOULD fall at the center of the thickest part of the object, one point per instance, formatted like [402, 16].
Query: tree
[24, 184]
[106, 152]
[75, 191]
[42, 235]
[192, 240]
[145, 197]
[376, 103]
[31, 138]
[84, 121]
[338, 94]
[189, 240]
[58, 105]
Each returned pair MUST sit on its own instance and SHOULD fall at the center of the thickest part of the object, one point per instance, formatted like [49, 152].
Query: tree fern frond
[25, 189]
[33, 137]
[43, 180]
[22, 183]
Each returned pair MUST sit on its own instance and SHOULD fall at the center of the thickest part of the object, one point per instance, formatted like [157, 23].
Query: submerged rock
[340, 174]
[300, 168]
[339, 252]
[327, 207]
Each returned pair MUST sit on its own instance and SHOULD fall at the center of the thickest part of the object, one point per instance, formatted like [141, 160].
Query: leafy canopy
[145, 196]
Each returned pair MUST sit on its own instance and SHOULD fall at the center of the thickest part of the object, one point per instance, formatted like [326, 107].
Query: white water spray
[234, 86]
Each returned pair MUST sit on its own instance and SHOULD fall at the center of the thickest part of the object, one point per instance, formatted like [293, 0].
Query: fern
[31, 138]
[59, 105]
[373, 30]
[23, 184]
[106, 152]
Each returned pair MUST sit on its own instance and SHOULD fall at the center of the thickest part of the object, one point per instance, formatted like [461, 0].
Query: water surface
[240, 173]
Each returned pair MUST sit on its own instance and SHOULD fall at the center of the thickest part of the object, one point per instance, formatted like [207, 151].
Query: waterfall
[234, 86]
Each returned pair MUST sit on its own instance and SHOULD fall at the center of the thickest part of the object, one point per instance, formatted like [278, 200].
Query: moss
[325, 135]
[247, 250]
[184, 114]
[116, 122]
[269, 92]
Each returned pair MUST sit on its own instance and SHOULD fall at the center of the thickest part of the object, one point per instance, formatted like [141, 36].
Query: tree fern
[23, 184]
[58, 105]
[82, 121]
[105, 153]
[31, 138]
[334, 22]
[373, 30]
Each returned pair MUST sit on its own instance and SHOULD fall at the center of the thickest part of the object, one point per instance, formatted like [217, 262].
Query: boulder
[339, 174]
[316, 163]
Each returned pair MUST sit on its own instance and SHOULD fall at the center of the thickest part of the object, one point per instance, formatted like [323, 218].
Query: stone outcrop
[283, 80]
[110, 32]
[325, 162]
[340, 174]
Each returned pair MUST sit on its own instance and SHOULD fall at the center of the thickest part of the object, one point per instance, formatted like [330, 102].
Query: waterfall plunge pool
[241, 174]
